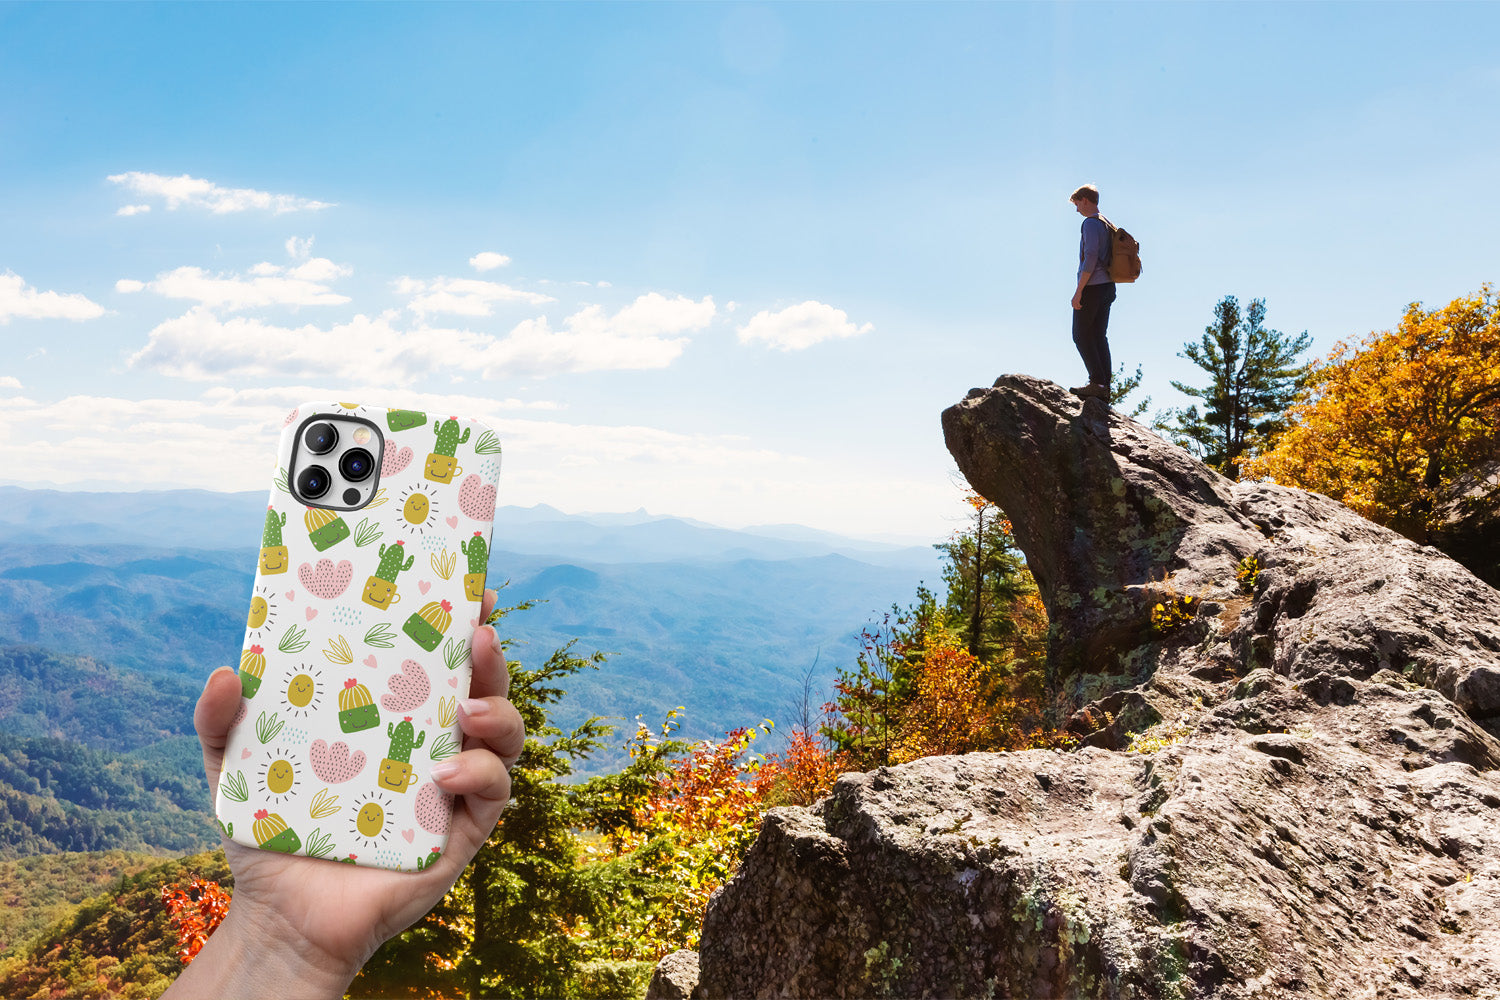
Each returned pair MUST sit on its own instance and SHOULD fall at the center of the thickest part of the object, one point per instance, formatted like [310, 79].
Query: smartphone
[367, 593]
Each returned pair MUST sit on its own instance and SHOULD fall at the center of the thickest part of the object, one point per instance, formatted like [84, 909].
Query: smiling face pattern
[419, 509]
[370, 820]
[415, 508]
[370, 826]
[300, 691]
[278, 777]
[309, 645]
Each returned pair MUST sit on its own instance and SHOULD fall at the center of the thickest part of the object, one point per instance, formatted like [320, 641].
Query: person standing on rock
[1093, 295]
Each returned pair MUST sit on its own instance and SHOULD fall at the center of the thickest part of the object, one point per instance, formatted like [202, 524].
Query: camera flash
[362, 435]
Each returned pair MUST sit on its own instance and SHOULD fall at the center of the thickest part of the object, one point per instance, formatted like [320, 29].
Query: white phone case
[356, 649]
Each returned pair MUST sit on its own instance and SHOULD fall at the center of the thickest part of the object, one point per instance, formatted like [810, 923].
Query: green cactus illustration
[390, 562]
[447, 436]
[401, 741]
[405, 420]
[271, 538]
[477, 553]
[425, 863]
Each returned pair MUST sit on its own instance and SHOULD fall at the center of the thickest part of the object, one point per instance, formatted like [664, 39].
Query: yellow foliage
[1393, 419]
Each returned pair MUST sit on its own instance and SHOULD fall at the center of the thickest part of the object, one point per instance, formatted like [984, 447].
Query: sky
[723, 261]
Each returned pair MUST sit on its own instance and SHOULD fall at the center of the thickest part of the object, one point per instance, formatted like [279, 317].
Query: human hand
[1078, 300]
[303, 927]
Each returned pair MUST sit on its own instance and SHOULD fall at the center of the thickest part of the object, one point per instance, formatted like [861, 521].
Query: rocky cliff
[1315, 809]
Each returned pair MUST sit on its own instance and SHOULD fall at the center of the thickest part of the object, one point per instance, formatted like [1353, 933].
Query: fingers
[487, 604]
[491, 676]
[474, 774]
[216, 709]
[495, 724]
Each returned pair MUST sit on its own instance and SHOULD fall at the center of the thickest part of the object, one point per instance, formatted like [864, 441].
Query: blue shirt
[1094, 251]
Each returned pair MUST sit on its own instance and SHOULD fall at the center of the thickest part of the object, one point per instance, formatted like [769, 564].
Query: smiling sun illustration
[369, 827]
[262, 617]
[418, 510]
[277, 775]
[304, 689]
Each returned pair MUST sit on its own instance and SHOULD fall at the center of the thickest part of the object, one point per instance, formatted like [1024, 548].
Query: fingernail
[446, 769]
[474, 706]
[495, 642]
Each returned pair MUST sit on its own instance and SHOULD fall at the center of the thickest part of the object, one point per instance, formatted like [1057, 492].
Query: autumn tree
[1394, 419]
[1253, 377]
[984, 574]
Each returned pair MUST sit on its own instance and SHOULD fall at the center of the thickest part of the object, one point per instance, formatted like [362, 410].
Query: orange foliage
[802, 775]
[1393, 419]
[948, 712]
[196, 912]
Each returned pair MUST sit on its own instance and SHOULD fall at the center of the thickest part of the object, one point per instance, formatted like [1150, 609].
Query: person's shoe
[1092, 389]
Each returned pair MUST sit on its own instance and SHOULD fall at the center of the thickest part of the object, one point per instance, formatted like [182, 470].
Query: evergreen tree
[1253, 378]
[985, 575]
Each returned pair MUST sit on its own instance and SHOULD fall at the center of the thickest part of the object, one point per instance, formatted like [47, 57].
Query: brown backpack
[1124, 254]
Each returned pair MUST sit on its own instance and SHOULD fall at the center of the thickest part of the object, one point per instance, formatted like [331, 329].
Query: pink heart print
[410, 835]
[311, 613]
[395, 460]
[326, 580]
[245, 754]
[291, 594]
[335, 764]
[424, 585]
[409, 688]
[476, 500]
[370, 660]
[452, 521]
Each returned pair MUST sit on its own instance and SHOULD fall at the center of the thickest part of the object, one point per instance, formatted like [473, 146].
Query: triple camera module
[333, 462]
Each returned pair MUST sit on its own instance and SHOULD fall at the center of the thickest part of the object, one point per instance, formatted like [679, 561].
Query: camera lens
[313, 482]
[320, 438]
[356, 464]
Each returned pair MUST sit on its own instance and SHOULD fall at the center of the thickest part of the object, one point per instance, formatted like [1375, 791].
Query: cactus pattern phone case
[356, 649]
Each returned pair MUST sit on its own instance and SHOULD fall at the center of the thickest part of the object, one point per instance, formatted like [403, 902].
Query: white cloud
[132, 209]
[305, 284]
[194, 192]
[488, 260]
[20, 299]
[297, 248]
[649, 333]
[801, 326]
[462, 296]
[9, 382]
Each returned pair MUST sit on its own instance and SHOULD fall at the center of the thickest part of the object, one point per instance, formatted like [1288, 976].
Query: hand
[303, 927]
[1078, 300]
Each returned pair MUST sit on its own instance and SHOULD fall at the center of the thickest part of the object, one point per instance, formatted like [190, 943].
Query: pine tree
[985, 576]
[1253, 378]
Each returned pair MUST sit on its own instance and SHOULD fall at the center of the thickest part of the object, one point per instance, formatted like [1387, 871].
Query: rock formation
[1310, 806]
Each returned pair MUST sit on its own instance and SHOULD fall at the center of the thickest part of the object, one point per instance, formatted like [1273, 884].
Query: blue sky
[718, 260]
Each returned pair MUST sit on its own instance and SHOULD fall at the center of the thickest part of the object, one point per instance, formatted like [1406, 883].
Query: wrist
[257, 953]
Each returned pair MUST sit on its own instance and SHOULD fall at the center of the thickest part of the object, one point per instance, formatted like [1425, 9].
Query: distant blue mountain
[722, 622]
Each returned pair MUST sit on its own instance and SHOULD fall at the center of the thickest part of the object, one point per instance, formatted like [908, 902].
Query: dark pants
[1090, 324]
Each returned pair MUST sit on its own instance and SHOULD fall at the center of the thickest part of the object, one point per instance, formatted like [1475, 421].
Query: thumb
[217, 707]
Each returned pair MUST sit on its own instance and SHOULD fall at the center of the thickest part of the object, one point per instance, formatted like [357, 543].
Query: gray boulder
[1290, 789]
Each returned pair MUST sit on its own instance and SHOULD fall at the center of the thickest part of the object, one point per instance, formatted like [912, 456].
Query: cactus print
[337, 761]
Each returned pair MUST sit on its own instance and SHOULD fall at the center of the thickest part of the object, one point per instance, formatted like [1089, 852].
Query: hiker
[302, 927]
[1096, 290]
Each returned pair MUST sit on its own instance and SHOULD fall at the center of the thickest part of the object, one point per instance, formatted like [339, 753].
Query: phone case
[356, 649]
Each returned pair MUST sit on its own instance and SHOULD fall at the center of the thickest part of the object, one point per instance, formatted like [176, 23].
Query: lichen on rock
[1316, 812]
